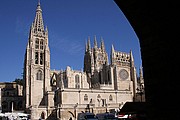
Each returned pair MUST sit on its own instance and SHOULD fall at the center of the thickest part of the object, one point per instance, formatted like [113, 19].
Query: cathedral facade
[101, 86]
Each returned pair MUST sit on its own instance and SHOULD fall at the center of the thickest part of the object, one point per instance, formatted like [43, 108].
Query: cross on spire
[38, 2]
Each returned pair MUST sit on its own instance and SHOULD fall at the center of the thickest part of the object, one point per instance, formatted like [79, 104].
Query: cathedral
[102, 85]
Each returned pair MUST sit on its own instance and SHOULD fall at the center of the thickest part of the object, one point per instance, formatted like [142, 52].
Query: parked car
[86, 116]
[124, 116]
[106, 116]
[139, 116]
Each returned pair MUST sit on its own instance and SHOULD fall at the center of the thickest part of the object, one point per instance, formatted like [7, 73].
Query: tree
[18, 81]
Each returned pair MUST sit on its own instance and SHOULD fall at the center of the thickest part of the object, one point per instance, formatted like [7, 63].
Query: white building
[61, 94]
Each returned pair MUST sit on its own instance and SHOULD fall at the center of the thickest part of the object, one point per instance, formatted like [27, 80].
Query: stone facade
[100, 87]
[11, 97]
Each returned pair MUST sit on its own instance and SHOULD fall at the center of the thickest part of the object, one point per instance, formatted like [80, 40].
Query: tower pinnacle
[38, 21]
[39, 2]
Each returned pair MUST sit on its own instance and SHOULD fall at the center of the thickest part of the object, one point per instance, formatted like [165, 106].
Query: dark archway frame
[157, 27]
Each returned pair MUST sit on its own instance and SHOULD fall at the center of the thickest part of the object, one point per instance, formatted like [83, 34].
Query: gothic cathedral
[100, 87]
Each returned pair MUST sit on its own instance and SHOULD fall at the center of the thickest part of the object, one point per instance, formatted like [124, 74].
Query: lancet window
[39, 75]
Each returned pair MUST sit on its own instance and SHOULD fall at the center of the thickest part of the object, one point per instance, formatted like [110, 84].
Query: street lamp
[75, 106]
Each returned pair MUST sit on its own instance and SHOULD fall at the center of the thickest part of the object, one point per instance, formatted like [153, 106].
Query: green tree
[18, 81]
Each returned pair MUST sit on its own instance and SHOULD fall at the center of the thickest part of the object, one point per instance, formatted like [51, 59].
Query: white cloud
[66, 44]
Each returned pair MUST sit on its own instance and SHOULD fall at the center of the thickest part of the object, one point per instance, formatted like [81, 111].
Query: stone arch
[39, 75]
[156, 24]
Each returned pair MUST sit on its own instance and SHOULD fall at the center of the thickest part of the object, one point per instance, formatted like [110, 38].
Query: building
[11, 97]
[101, 86]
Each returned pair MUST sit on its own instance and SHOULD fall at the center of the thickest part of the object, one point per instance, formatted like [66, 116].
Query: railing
[78, 106]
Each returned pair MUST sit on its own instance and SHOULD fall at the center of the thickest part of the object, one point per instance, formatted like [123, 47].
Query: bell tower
[95, 60]
[37, 63]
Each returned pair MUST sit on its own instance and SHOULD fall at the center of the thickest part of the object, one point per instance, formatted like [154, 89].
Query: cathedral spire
[95, 42]
[141, 74]
[86, 47]
[112, 51]
[112, 54]
[89, 44]
[38, 21]
[102, 45]
[131, 58]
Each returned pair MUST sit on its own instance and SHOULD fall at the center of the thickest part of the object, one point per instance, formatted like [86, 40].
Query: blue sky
[69, 23]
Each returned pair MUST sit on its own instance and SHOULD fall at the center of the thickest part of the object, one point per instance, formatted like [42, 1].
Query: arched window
[85, 97]
[36, 57]
[42, 115]
[37, 44]
[110, 98]
[77, 83]
[39, 75]
[41, 44]
[41, 58]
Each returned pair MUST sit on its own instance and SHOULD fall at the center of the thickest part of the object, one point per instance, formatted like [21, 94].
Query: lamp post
[116, 95]
[75, 106]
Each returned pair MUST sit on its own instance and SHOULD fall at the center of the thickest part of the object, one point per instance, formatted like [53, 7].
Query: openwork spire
[38, 21]
[95, 42]
[102, 45]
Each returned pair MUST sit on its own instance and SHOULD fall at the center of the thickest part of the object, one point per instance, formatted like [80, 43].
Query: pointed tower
[112, 56]
[37, 63]
[102, 45]
[96, 62]
[123, 70]
[141, 79]
[133, 74]
[100, 55]
[95, 43]
[87, 57]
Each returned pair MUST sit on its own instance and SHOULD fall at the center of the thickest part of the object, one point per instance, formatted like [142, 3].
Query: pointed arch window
[36, 57]
[41, 44]
[77, 83]
[39, 75]
[41, 58]
[42, 115]
[85, 97]
[110, 98]
[37, 43]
